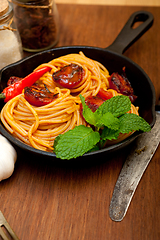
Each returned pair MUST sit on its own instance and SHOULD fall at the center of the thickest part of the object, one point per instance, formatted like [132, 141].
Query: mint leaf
[56, 140]
[109, 121]
[132, 122]
[95, 148]
[117, 105]
[90, 117]
[109, 134]
[128, 122]
[76, 142]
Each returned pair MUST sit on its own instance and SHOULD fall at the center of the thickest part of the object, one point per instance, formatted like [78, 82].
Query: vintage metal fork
[6, 232]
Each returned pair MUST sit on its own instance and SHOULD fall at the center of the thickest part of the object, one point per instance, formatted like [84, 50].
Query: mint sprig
[109, 120]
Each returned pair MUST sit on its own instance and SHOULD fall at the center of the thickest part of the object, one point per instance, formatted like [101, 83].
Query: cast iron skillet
[110, 57]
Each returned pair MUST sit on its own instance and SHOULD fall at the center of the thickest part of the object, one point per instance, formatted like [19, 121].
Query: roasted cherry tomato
[38, 96]
[12, 80]
[105, 95]
[121, 84]
[69, 76]
[93, 102]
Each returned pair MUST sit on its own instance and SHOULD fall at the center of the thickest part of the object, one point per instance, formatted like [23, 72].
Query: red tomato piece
[38, 96]
[93, 102]
[12, 80]
[105, 95]
[121, 84]
[69, 76]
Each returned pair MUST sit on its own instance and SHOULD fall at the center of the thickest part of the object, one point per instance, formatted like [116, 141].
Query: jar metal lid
[4, 7]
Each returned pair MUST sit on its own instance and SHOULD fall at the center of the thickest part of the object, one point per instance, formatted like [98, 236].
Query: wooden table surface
[56, 200]
[113, 2]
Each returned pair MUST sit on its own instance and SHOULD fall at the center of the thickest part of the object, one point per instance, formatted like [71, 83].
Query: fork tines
[6, 232]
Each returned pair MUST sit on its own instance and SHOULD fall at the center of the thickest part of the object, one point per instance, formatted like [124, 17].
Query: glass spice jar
[38, 23]
[10, 42]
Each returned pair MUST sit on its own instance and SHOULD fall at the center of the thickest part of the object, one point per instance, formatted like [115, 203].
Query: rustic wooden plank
[113, 2]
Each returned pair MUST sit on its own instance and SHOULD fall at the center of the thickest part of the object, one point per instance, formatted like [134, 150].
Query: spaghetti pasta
[39, 126]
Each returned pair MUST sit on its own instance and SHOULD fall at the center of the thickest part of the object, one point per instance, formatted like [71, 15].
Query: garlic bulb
[8, 158]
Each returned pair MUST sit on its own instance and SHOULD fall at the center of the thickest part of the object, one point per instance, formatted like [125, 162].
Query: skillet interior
[114, 62]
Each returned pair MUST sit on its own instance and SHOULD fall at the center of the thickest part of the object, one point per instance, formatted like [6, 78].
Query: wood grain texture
[59, 200]
[113, 2]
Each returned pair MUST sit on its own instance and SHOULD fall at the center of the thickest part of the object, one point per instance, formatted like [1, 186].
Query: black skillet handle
[128, 34]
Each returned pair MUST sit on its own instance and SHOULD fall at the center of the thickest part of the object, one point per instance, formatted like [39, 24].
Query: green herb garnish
[108, 121]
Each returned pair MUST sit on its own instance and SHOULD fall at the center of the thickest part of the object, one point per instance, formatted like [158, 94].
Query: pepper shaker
[37, 22]
[10, 42]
